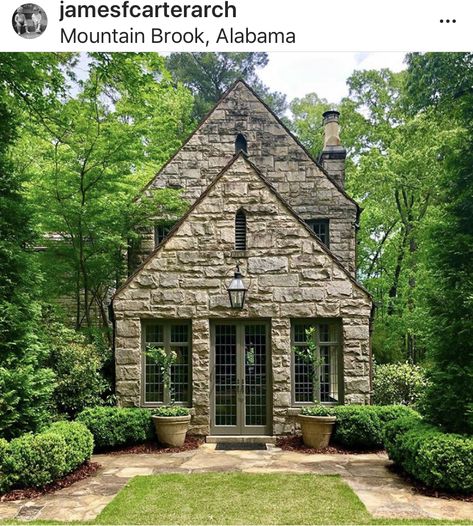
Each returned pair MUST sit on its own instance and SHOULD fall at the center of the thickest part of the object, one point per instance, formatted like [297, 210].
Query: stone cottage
[267, 217]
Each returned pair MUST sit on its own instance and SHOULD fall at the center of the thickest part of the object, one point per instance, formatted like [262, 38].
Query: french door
[240, 378]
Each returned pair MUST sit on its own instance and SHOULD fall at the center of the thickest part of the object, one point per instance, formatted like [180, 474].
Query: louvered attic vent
[240, 230]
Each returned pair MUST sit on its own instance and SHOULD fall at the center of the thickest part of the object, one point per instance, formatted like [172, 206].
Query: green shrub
[388, 413]
[25, 398]
[117, 426]
[77, 366]
[439, 460]
[33, 460]
[393, 430]
[398, 383]
[36, 460]
[79, 442]
[171, 411]
[362, 426]
[358, 427]
[317, 410]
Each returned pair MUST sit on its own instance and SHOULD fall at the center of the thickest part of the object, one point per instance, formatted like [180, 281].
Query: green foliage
[116, 426]
[33, 460]
[317, 410]
[164, 361]
[25, 398]
[398, 383]
[439, 460]
[174, 410]
[388, 413]
[394, 430]
[77, 366]
[357, 427]
[209, 75]
[36, 460]
[361, 426]
[443, 81]
[102, 143]
[307, 121]
[393, 171]
[29, 83]
[79, 443]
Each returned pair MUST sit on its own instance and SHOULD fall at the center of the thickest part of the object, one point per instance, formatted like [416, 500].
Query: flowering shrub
[399, 383]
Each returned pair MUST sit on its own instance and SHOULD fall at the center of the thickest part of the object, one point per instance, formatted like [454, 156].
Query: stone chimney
[334, 154]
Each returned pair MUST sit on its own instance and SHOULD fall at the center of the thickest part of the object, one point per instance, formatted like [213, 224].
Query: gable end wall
[289, 276]
[281, 160]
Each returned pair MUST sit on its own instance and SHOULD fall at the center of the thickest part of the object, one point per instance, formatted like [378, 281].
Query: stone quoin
[260, 201]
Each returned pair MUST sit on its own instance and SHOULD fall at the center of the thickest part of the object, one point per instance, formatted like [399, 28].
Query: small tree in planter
[171, 422]
[316, 421]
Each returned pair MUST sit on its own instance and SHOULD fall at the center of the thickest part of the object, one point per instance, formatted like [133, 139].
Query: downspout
[372, 314]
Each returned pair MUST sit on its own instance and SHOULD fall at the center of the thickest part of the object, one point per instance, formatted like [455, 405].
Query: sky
[297, 74]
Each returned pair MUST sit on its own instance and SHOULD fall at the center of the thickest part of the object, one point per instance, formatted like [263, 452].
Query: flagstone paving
[384, 494]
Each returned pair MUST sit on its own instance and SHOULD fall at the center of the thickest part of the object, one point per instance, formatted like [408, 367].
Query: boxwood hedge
[117, 426]
[34, 460]
[361, 427]
[437, 459]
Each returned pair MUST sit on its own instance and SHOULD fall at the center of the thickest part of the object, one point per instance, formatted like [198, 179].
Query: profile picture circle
[29, 21]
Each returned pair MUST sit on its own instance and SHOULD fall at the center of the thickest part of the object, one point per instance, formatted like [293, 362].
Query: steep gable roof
[271, 188]
[229, 91]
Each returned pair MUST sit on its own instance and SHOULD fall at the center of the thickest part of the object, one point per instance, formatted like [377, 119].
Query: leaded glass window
[161, 230]
[170, 336]
[322, 375]
[321, 229]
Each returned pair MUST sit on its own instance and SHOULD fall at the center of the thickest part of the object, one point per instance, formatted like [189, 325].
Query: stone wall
[290, 275]
[280, 158]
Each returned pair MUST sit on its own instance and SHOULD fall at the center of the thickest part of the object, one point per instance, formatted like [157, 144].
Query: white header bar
[238, 25]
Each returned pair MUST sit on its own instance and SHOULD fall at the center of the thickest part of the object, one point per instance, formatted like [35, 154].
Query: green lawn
[242, 498]
[235, 498]
[239, 498]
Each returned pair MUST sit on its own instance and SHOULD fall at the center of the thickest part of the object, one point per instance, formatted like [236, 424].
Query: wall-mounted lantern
[237, 290]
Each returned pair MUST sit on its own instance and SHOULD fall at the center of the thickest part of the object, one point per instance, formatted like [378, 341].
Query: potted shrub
[171, 422]
[316, 421]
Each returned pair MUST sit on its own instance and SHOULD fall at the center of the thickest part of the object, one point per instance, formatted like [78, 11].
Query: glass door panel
[240, 362]
[225, 375]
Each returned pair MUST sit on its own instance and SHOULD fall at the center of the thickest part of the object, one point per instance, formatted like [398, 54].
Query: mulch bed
[86, 470]
[295, 443]
[155, 448]
[419, 488]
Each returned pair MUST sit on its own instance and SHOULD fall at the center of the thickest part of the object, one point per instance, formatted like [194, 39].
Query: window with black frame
[321, 373]
[321, 228]
[170, 337]
[161, 230]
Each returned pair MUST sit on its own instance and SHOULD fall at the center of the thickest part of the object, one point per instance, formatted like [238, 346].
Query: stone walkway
[384, 494]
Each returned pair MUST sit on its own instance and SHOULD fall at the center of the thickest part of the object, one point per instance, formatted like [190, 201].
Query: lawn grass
[235, 498]
[239, 498]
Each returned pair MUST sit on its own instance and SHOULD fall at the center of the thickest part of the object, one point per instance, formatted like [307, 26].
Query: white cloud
[297, 74]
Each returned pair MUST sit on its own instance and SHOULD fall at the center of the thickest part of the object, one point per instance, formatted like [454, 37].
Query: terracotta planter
[316, 430]
[171, 430]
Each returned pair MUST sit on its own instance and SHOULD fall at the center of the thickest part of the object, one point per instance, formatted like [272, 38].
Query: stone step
[256, 439]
